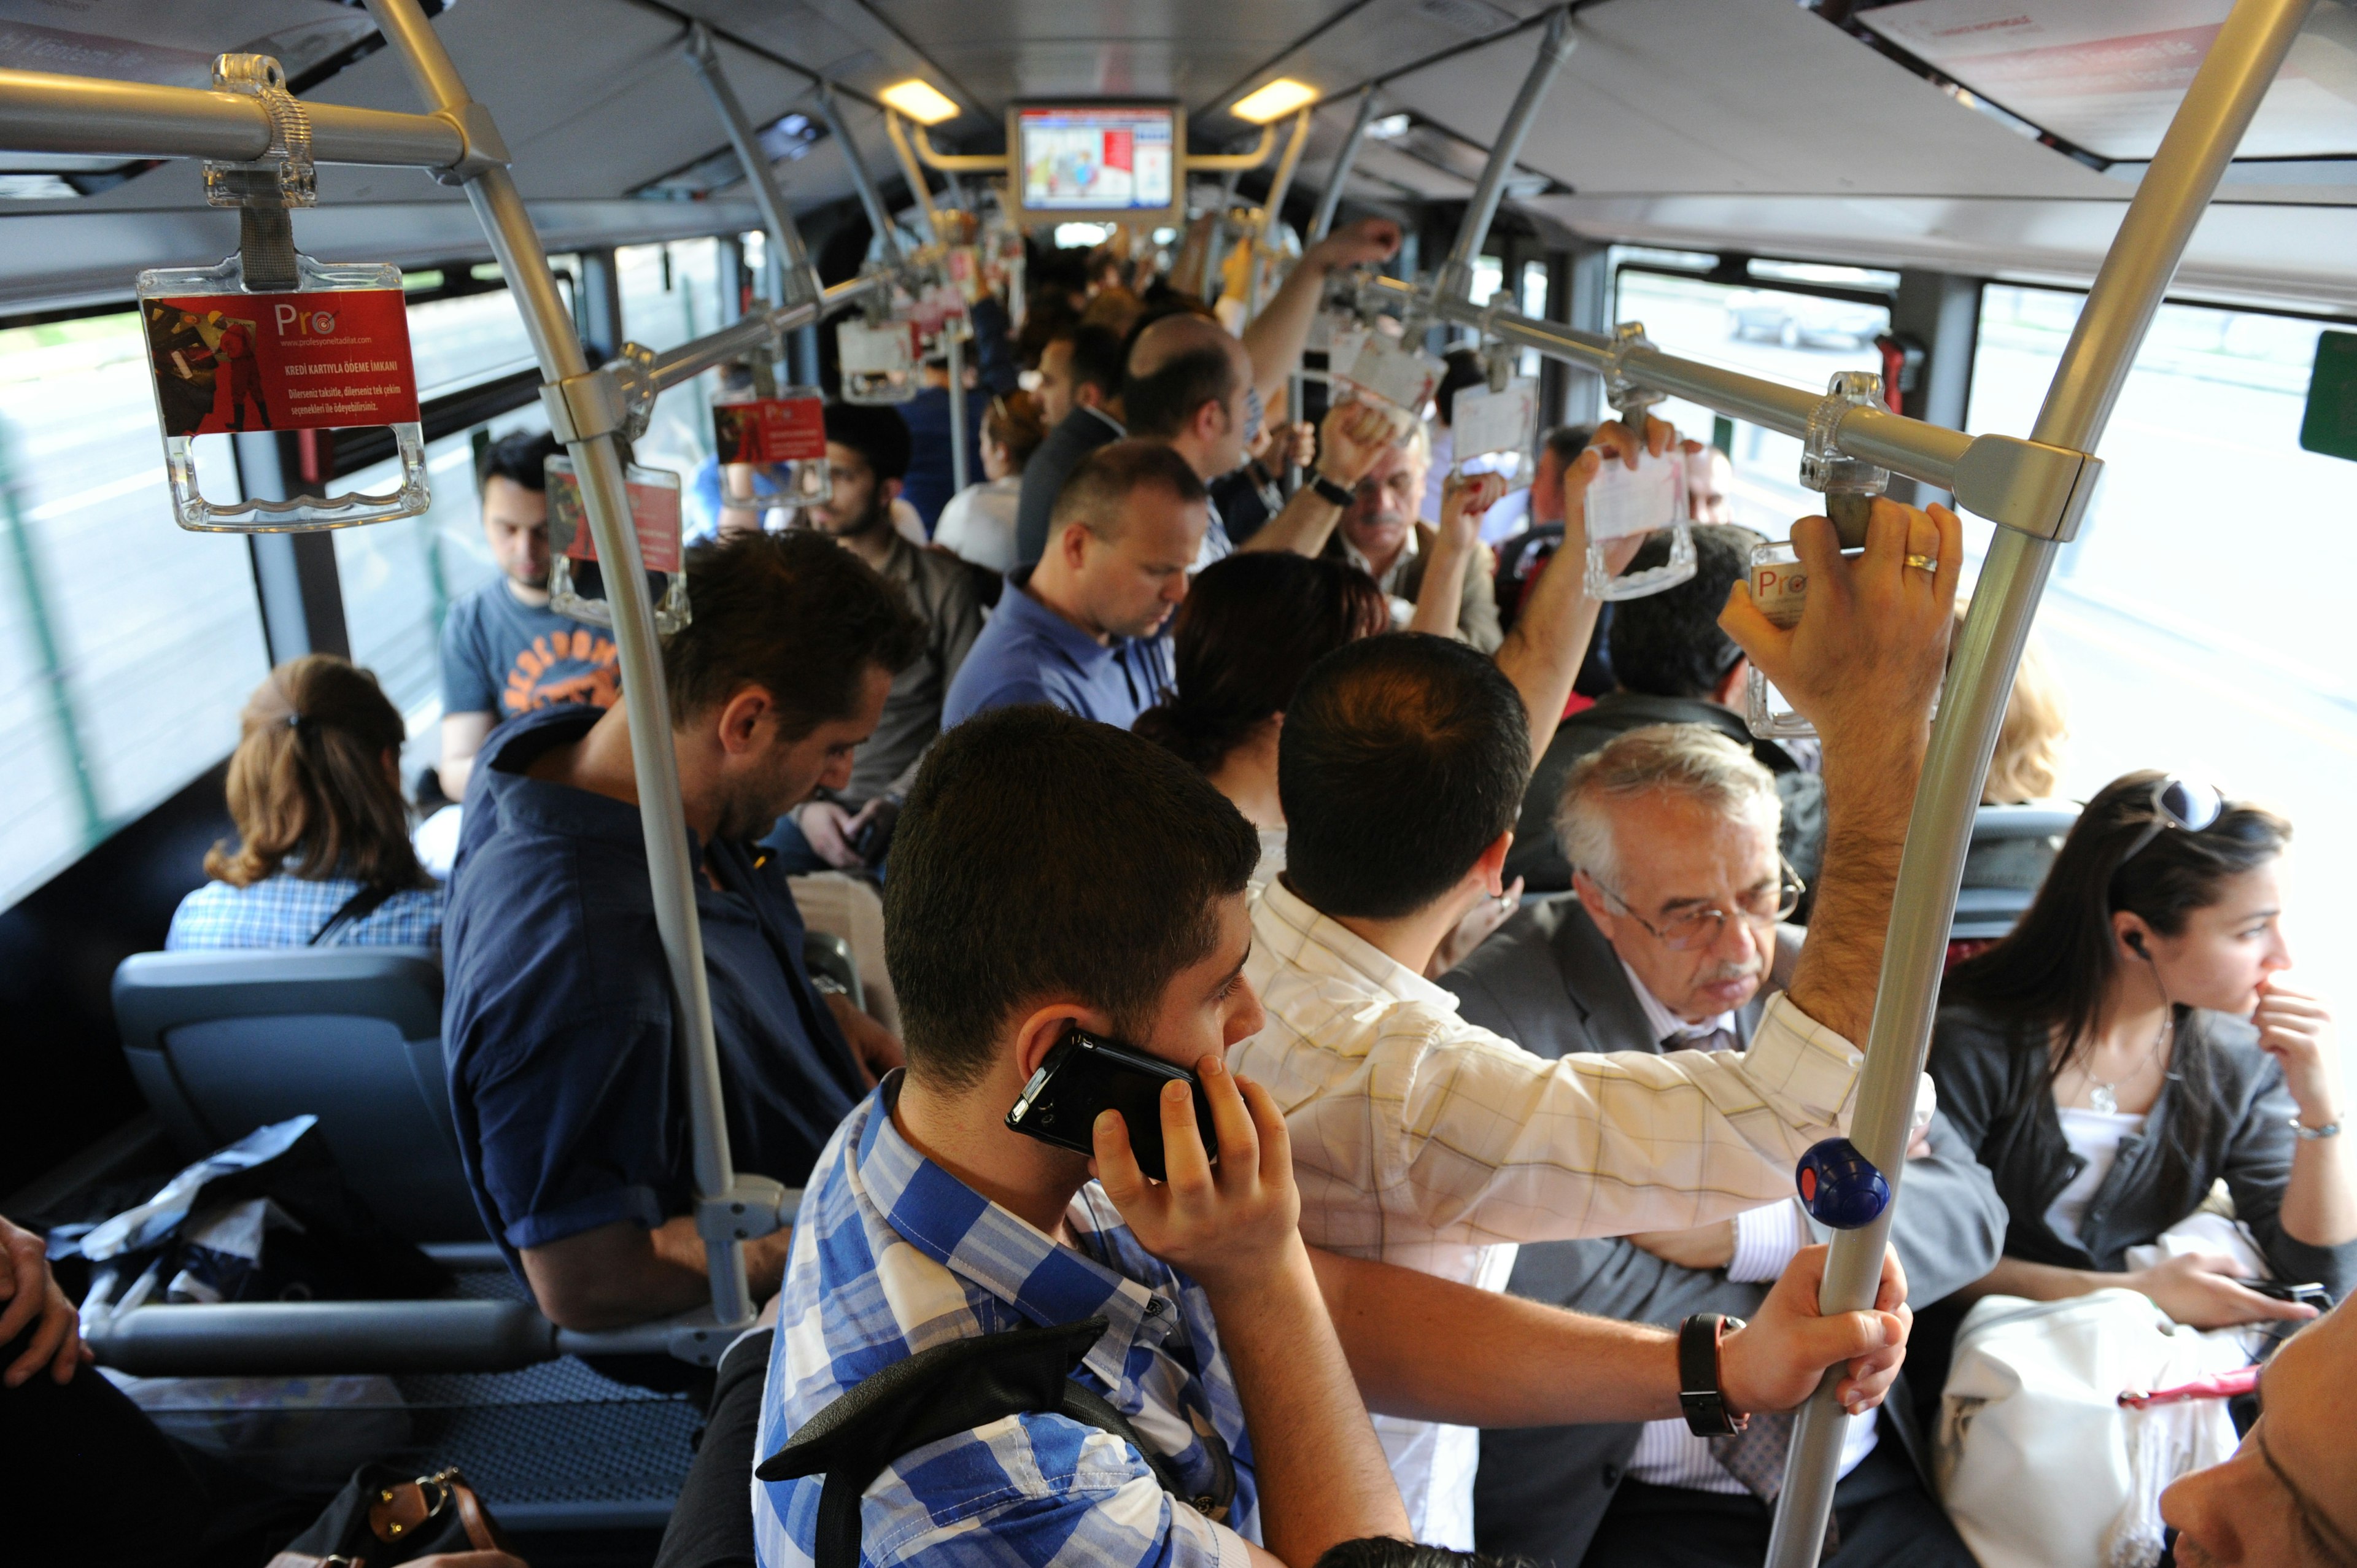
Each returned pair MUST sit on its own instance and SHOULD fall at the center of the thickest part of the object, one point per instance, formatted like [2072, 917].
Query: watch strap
[1699, 1394]
[1332, 493]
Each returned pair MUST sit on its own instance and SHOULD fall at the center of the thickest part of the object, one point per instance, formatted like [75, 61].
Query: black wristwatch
[1329, 492]
[1699, 1394]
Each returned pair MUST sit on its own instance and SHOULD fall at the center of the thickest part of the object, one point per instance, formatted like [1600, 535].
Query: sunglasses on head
[2176, 804]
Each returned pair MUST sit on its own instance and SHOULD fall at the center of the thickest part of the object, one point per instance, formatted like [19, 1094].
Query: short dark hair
[1668, 644]
[1568, 442]
[878, 434]
[1160, 402]
[1403, 757]
[1100, 481]
[1249, 631]
[1101, 889]
[793, 613]
[521, 458]
[1096, 357]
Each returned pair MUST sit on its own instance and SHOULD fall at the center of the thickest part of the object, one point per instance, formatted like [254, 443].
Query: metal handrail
[94, 116]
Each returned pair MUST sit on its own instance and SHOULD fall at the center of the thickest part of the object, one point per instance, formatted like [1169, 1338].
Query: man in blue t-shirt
[504, 651]
[1083, 629]
[558, 1018]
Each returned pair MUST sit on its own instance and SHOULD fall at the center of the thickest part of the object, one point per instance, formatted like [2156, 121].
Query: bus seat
[2011, 848]
[850, 907]
[221, 1042]
[825, 953]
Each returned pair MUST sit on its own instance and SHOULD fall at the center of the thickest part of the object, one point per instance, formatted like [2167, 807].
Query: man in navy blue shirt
[1082, 629]
[559, 1018]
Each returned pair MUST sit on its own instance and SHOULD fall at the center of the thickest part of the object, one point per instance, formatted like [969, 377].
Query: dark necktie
[1703, 1040]
[1756, 1455]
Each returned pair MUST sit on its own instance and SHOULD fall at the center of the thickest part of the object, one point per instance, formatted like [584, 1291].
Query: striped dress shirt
[893, 1255]
[1425, 1141]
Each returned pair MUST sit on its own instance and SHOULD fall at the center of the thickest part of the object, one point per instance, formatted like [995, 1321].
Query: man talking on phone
[1115, 904]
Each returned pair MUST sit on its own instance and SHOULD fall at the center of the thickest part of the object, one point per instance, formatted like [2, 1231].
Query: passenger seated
[323, 857]
[849, 827]
[504, 651]
[1673, 665]
[559, 1020]
[1669, 946]
[978, 525]
[1425, 1139]
[2025, 770]
[1115, 900]
[2289, 1494]
[2132, 1043]
[87, 1476]
[1082, 629]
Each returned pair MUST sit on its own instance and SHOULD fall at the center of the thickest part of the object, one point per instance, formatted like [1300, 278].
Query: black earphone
[2136, 941]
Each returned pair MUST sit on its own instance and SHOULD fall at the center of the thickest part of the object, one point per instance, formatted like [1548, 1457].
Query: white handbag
[2038, 1462]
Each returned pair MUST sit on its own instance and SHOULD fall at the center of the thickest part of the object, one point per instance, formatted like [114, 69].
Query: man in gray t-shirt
[504, 651]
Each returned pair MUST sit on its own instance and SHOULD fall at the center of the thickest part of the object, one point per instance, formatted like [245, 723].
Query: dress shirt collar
[1387, 580]
[1006, 1256]
[1288, 918]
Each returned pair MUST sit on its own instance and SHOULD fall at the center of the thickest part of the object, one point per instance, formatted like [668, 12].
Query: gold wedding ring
[1924, 562]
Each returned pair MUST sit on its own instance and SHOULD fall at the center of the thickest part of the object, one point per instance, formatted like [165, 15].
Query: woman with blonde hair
[323, 857]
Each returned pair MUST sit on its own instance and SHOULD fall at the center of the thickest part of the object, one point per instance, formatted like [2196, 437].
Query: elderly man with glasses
[1671, 943]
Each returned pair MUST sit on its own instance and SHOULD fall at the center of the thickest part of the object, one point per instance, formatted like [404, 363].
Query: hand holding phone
[1234, 1227]
[1084, 1075]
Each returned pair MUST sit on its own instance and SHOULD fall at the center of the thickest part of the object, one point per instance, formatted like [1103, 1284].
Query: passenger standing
[504, 651]
[323, 856]
[1082, 629]
[932, 479]
[1080, 403]
[978, 525]
[2131, 1044]
[1672, 666]
[559, 1021]
[850, 826]
[1380, 535]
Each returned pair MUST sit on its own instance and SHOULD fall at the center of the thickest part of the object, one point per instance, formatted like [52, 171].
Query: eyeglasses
[2175, 803]
[1691, 929]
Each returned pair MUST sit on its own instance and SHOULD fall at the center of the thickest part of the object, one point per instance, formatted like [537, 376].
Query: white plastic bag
[2039, 1463]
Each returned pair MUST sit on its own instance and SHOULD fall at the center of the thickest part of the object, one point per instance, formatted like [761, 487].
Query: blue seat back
[224, 1041]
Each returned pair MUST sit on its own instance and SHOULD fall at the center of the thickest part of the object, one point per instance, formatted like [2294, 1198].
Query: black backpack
[956, 1388]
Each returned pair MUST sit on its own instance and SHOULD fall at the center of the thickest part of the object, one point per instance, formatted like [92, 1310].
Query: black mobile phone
[1084, 1075]
[2310, 1292]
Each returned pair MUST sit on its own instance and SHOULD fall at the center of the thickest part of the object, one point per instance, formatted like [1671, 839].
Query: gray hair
[1694, 762]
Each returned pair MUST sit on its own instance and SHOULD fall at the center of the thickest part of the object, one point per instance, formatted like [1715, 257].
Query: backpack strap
[357, 908]
[951, 1388]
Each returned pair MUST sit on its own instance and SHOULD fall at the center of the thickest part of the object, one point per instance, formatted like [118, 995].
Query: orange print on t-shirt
[551, 671]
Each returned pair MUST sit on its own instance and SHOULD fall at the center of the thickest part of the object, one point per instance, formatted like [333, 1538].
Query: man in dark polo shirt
[558, 1018]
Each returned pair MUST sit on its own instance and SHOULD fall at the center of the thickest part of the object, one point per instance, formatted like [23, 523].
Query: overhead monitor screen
[1097, 158]
[2107, 75]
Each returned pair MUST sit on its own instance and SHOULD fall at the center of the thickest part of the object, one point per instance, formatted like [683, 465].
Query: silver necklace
[2102, 1096]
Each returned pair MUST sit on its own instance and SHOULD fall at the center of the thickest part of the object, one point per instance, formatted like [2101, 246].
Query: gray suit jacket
[1550, 981]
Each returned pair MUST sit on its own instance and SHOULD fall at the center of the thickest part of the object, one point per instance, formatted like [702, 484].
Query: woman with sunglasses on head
[2130, 1044]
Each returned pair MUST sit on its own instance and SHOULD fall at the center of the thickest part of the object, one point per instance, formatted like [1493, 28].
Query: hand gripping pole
[2242, 63]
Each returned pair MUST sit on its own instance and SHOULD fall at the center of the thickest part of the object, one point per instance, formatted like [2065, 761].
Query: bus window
[1783, 333]
[127, 646]
[2197, 620]
[671, 293]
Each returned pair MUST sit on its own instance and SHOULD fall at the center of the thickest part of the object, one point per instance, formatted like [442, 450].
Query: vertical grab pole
[598, 462]
[1330, 200]
[954, 347]
[799, 282]
[1272, 209]
[2233, 77]
[1455, 277]
[878, 219]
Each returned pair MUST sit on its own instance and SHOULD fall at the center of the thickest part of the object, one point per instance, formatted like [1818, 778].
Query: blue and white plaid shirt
[893, 1255]
[285, 911]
